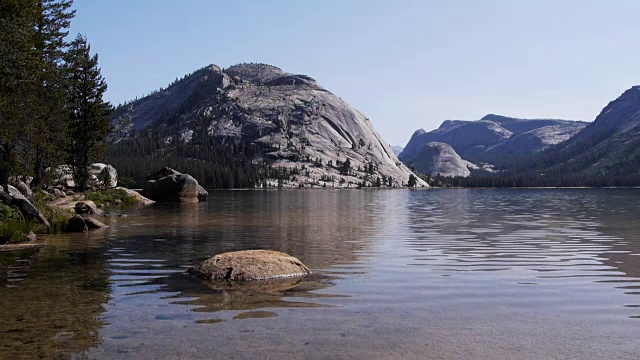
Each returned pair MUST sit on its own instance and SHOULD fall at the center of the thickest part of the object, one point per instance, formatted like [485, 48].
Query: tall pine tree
[49, 122]
[18, 64]
[89, 114]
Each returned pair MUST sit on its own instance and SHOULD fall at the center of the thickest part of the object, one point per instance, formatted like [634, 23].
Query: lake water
[440, 274]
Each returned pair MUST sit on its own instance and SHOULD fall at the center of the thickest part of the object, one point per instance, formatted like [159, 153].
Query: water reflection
[433, 274]
[529, 237]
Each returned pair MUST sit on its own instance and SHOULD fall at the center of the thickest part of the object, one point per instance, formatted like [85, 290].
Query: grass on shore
[13, 228]
[111, 197]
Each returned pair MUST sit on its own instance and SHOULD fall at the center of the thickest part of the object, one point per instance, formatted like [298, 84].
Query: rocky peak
[258, 73]
[440, 158]
[623, 112]
[288, 119]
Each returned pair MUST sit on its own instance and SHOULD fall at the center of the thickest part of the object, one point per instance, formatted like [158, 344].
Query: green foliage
[56, 216]
[215, 164]
[111, 197]
[8, 213]
[412, 180]
[15, 230]
[89, 114]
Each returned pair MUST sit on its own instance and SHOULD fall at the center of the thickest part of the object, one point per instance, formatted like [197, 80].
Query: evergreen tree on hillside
[88, 113]
[412, 180]
[18, 64]
[52, 21]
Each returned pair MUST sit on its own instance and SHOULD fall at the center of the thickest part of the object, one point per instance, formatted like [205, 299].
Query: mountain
[440, 158]
[252, 125]
[397, 149]
[610, 146]
[494, 137]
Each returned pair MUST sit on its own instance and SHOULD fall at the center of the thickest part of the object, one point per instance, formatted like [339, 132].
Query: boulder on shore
[87, 207]
[250, 265]
[76, 224]
[168, 185]
[27, 209]
[141, 200]
[24, 190]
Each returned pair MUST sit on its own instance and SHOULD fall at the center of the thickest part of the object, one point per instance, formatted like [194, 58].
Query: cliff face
[610, 146]
[292, 120]
[494, 136]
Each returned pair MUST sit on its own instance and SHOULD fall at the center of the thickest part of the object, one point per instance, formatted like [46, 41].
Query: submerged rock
[250, 265]
[83, 223]
[94, 223]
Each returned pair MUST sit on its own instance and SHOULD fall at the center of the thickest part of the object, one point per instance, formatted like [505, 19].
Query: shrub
[8, 213]
[57, 217]
[111, 197]
[14, 230]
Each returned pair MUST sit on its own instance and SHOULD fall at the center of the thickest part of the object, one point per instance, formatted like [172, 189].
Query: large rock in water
[168, 185]
[250, 265]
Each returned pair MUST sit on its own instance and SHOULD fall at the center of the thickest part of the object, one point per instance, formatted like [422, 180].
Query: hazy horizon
[406, 65]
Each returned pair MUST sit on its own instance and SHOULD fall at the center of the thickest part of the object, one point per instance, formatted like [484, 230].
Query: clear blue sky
[405, 64]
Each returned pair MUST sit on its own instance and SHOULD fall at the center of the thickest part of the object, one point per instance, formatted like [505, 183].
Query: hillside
[252, 125]
[494, 137]
[437, 158]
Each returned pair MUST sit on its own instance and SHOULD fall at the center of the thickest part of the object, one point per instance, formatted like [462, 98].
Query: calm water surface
[450, 274]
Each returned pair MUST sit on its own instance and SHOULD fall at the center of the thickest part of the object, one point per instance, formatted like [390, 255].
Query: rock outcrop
[86, 207]
[24, 190]
[27, 209]
[250, 265]
[288, 120]
[439, 158]
[140, 200]
[168, 185]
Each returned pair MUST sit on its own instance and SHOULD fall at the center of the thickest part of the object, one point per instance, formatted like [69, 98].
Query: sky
[405, 64]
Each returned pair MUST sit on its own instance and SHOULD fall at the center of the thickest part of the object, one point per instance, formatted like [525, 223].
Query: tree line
[52, 110]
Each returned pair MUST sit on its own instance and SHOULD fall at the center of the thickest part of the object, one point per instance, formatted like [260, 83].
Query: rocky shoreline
[60, 207]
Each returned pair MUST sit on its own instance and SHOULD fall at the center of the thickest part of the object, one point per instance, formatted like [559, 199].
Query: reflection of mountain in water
[153, 248]
[321, 228]
[550, 234]
[51, 300]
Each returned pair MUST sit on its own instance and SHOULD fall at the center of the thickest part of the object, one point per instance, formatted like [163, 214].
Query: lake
[406, 274]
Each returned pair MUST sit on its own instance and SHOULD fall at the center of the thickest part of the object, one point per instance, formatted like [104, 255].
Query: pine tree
[49, 121]
[89, 114]
[18, 64]
[412, 180]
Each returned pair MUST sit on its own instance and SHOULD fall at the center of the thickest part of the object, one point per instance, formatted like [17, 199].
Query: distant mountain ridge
[494, 136]
[610, 146]
[257, 114]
